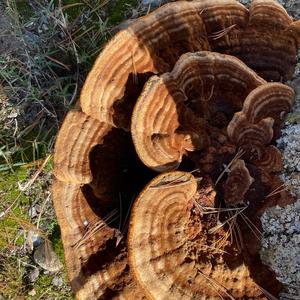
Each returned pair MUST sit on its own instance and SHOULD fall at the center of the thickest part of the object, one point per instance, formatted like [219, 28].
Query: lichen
[281, 225]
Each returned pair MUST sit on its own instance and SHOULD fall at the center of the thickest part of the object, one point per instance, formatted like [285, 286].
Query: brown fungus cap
[172, 114]
[78, 134]
[273, 100]
[269, 13]
[98, 170]
[254, 139]
[265, 38]
[173, 249]
[151, 44]
[89, 163]
[237, 184]
[242, 133]
[268, 42]
[259, 122]
[93, 270]
[270, 160]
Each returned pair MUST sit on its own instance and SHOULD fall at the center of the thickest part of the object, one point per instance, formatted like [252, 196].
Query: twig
[238, 155]
[218, 34]
[35, 176]
[42, 209]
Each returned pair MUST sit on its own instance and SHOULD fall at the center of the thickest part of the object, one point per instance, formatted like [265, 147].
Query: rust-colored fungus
[269, 100]
[177, 251]
[152, 44]
[263, 38]
[237, 183]
[174, 112]
[77, 136]
[260, 120]
[96, 260]
[266, 39]
[185, 87]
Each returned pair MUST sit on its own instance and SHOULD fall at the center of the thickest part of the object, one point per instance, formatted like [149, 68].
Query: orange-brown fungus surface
[178, 250]
[192, 90]
[177, 111]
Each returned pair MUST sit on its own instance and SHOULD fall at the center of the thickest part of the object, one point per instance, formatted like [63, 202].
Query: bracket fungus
[174, 112]
[260, 121]
[176, 252]
[188, 87]
[80, 134]
[265, 38]
[237, 184]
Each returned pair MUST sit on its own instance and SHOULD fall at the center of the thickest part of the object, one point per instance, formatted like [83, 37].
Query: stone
[45, 257]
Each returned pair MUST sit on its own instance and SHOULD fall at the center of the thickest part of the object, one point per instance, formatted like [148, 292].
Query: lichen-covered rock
[281, 244]
[290, 144]
[281, 225]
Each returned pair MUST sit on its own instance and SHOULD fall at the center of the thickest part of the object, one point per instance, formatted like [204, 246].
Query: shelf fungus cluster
[192, 91]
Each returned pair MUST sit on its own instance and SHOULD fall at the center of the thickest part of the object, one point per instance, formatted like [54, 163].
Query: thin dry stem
[218, 34]
[94, 228]
[238, 155]
[278, 190]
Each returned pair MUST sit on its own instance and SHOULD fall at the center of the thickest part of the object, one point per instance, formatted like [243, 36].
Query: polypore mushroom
[254, 140]
[94, 270]
[244, 134]
[91, 163]
[99, 175]
[270, 160]
[153, 43]
[252, 128]
[77, 136]
[173, 113]
[237, 183]
[266, 41]
[174, 250]
[273, 100]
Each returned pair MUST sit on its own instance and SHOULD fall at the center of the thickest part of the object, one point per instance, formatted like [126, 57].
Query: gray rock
[45, 257]
[32, 212]
[33, 240]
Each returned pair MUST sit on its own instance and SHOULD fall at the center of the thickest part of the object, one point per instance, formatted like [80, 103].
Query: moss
[24, 9]
[9, 188]
[11, 273]
[117, 10]
[58, 248]
[10, 225]
[293, 118]
[44, 289]
[55, 238]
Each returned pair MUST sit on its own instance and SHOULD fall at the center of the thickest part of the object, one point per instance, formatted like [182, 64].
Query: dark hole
[123, 108]
[118, 177]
